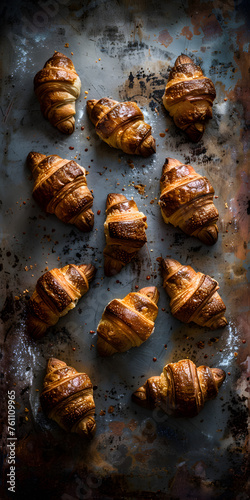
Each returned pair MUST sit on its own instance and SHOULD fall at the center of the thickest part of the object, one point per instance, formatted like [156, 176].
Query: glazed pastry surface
[67, 398]
[121, 125]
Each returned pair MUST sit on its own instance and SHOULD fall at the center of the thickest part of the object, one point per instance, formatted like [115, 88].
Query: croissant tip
[88, 269]
[111, 265]
[209, 235]
[140, 397]
[54, 364]
[219, 376]
[114, 198]
[104, 349]
[151, 292]
[87, 429]
[219, 323]
[33, 159]
[90, 105]
[183, 59]
[195, 131]
[168, 263]
[66, 127]
[148, 147]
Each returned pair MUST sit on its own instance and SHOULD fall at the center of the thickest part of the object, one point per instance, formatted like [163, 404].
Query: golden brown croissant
[181, 390]
[194, 296]
[125, 233]
[127, 322]
[67, 398]
[189, 97]
[57, 87]
[121, 125]
[186, 201]
[57, 292]
[61, 188]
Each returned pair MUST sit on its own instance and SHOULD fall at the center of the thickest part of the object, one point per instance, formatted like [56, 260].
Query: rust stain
[132, 425]
[143, 457]
[211, 28]
[239, 206]
[165, 38]
[241, 89]
[186, 32]
[204, 20]
[117, 427]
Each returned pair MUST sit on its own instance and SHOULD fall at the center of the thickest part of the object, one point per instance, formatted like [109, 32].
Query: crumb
[140, 188]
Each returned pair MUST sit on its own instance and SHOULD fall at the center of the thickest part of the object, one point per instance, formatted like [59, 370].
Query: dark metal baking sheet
[124, 49]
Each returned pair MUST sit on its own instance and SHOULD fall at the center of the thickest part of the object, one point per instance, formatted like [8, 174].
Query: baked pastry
[67, 398]
[127, 322]
[193, 295]
[57, 292]
[61, 188]
[57, 87]
[181, 390]
[121, 125]
[125, 232]
[186, 201]
[189, 97]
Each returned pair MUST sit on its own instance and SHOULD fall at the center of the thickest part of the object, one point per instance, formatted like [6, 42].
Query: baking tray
[124, 49]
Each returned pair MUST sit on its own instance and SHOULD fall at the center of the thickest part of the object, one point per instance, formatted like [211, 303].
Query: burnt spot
[8, 309]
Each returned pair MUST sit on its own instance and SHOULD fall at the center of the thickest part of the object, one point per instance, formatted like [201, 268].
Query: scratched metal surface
[124, 51]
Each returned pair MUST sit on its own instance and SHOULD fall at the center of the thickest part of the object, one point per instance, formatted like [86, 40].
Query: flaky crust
[193, 295]
[57, 87]
[182, 389]
[125, 232]
[186, 201]
[127, 322]
[60, 188]
[121, 125]
[67, 398]
[57, 292]
[189, 97]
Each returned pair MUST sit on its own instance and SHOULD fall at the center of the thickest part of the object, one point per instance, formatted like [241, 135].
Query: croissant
[186, 201]
[57, 87]
[181, 390]
[124, 230]
[57, 292]
[127, 322]
[61, 188]
[121, 125]
[189, 97]
[67, 398]
[194, 296]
